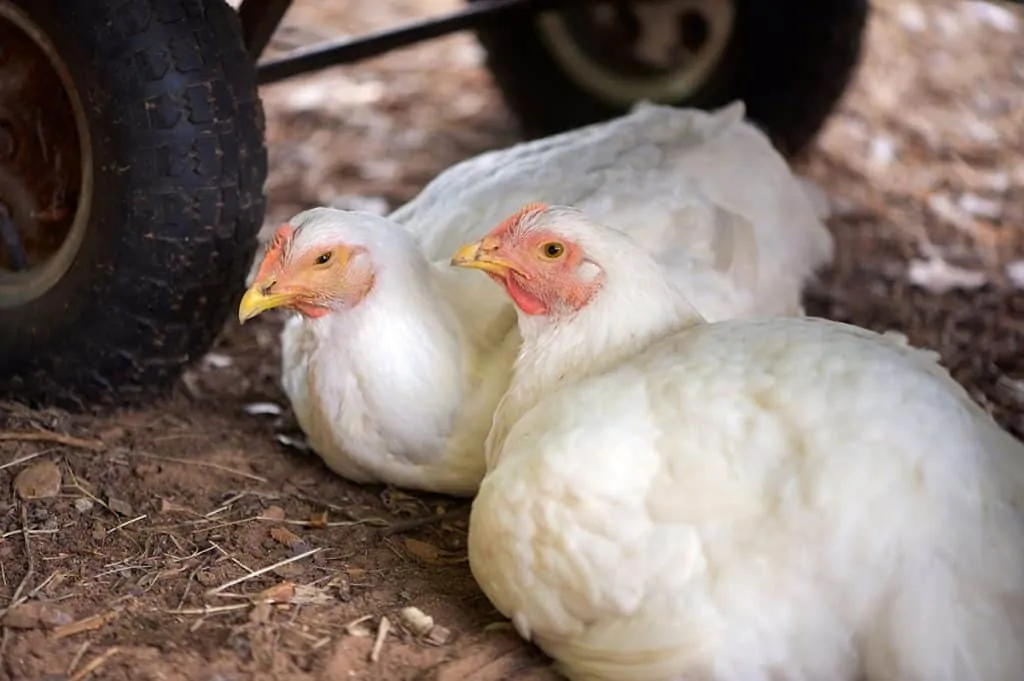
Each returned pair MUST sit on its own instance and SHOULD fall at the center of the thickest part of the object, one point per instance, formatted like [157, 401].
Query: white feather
[401, 389]
[787, 499]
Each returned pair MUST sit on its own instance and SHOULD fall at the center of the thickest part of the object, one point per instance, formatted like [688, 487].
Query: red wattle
[527, 302]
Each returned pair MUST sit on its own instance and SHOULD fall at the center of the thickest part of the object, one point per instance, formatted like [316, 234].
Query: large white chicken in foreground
[752, 500]
[397, 361]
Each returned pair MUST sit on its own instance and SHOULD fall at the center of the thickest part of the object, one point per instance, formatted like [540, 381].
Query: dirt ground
[142, 566]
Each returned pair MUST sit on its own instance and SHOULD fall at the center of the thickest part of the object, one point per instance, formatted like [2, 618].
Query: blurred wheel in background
[131, 192]
[789, 60]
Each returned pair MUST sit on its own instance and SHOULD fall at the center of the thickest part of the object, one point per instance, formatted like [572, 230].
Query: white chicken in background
[784, 499]
[397, 361]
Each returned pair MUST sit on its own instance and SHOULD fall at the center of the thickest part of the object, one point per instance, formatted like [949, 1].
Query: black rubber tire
[789, 60]
[179, 160]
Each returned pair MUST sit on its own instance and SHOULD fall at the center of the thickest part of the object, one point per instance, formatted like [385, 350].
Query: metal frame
[260, 18]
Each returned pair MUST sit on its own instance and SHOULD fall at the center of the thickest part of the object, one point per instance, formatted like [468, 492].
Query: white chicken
[396, 361]
[784, 499]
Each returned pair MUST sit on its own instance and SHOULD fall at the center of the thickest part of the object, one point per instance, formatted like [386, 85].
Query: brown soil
[136, 569]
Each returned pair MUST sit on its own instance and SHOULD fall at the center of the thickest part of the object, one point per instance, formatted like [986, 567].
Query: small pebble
[439, 635]
[38, 481]
[293, 442]
[418, 621]
[120, 506]
[263, 409]
[1015, 271]
[83, 505]
[216, 360]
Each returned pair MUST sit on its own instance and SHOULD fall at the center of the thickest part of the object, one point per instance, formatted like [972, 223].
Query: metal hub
[624, 51]
[45, 181]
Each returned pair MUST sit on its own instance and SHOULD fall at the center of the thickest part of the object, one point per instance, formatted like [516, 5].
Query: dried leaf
[34, 614]
[39, 481]
[284, 536]
[171, 507]
[273, 513]
[423, 550]
[311, 595]
[318, 520]
[279, 593]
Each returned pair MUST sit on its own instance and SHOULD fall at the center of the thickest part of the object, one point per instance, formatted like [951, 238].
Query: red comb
[512, 221]
[275, 251]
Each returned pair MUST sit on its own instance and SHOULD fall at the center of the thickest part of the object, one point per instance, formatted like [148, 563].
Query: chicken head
[533, 254]
[310, 275]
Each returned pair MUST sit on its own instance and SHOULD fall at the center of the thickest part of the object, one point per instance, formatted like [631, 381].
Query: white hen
[397, 362]
[754, 500]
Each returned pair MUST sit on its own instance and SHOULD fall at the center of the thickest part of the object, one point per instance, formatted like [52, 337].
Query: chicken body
[751, 500]
[401, 388]
[704, 185]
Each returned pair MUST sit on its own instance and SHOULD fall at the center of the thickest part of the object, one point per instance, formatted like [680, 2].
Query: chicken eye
[553, 250]
[323, 258]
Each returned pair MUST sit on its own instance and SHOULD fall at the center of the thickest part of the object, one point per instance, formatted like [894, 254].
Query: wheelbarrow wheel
[131, 176]
[789, 60]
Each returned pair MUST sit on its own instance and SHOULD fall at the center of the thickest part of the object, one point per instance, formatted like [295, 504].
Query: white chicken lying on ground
[751, 500]
[397, 360]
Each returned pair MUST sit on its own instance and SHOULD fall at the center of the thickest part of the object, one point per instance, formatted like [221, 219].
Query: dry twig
[378, 642]
[207, 609]
[257, 573]
[94, 664]
[87, 624]
[418, 523]
[22, 459]
[79, 654]
[30, 570]
[54, 438]
[126, 523]
[202, 464]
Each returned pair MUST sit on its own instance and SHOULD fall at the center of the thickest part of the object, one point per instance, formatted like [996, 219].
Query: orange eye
[553, 250]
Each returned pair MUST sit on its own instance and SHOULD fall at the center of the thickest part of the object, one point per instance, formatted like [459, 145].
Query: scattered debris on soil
[199, 540]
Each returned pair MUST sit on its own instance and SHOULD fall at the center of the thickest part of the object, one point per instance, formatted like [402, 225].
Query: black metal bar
[332, 53]
[260, 18]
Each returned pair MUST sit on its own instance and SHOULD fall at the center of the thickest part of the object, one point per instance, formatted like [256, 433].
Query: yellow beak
[255, 301]
[472, 256]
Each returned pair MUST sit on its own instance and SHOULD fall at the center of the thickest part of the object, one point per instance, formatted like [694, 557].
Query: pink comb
[275, 251]
[511, 222]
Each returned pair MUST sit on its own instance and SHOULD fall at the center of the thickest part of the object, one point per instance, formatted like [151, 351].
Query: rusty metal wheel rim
[614, 69]
[59, 200]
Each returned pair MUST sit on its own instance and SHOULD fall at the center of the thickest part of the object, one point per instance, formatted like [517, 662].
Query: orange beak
[258, 299]
[482, 255]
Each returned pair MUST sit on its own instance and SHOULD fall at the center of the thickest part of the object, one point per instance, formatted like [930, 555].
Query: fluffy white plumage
[401, 388]
[752, 500]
